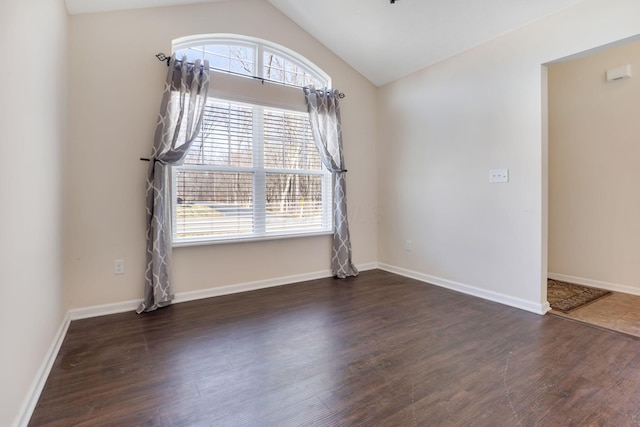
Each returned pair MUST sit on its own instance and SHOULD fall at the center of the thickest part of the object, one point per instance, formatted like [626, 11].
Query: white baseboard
[595, 283]
[470, 290]
[103, 310]
[248, 286]
[260, 284]
[124, 306]
[31, 400]
[368, 266]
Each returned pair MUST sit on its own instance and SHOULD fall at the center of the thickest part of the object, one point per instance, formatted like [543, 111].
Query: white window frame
[239, 89]
[260, 46]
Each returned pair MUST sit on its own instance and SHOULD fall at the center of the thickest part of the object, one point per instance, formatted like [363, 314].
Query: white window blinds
[253, 172]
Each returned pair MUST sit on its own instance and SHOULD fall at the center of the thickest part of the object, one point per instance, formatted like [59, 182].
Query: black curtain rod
[164, 58]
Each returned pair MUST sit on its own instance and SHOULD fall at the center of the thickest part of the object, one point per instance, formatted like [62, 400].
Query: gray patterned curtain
[179, 121]
[324, 115]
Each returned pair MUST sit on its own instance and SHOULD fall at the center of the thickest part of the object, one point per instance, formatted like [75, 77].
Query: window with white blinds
[253, 172]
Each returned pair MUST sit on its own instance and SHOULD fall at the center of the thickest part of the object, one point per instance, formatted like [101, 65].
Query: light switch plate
[498, 175]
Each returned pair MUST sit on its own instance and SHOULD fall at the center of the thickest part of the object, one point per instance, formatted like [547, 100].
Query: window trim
[249, 239]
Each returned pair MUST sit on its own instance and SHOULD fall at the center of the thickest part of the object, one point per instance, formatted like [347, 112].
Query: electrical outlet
[118, 266]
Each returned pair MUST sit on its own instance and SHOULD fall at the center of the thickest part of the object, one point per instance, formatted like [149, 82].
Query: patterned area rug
[566, 296]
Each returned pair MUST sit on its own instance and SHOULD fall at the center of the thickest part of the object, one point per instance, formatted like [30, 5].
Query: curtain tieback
[341, 171]
[154, 160]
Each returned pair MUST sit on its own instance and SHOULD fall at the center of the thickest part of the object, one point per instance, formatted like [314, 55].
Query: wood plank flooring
[376, 350]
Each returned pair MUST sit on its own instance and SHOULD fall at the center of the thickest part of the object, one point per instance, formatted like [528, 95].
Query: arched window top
[252, 57]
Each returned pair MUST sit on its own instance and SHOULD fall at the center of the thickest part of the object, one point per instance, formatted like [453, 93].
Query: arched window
[252, 57]
[254, 171]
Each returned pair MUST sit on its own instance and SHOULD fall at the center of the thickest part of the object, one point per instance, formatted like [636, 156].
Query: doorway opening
[591, 149]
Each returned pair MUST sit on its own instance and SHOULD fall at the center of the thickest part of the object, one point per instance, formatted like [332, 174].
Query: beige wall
[594, 169]
[114, 97]
[33, 37]
[442, 129]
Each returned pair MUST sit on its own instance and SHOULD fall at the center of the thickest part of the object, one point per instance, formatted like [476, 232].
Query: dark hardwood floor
[376, 350]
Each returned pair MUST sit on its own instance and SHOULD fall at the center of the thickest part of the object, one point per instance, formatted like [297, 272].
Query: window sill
[221, 241]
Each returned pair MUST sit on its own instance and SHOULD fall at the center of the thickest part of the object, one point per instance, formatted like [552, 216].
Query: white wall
[33, 42]
[442, 129]
[114, 99]
[594, 170]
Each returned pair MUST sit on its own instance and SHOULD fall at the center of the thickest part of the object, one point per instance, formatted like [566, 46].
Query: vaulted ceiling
[385, 41]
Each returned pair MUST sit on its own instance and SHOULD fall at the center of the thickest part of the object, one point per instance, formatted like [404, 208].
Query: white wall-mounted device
[619, 73]
[499, 175]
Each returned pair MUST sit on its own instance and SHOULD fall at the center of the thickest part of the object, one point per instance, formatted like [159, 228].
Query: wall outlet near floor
[118, 266]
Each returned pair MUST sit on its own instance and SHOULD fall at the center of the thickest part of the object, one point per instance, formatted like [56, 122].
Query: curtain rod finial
[162, 57]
